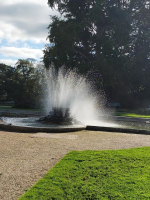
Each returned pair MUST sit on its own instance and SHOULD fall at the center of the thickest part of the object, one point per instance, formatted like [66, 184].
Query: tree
[112, 36]
[91, 33]
[27, 88]
[139, 53]
[6, 73]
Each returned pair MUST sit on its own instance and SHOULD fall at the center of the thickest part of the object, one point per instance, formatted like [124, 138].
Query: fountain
[66, 90]
[71, 104]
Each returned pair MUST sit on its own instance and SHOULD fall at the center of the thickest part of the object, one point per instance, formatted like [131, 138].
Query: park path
[25, 157]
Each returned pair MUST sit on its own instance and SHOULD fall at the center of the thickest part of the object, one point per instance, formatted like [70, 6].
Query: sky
[23, 29]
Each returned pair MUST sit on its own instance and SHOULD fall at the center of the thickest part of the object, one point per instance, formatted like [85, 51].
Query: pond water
[32, 122]
[144, 125]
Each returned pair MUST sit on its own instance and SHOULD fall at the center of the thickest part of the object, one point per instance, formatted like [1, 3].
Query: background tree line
[21, 84]
[111, 36]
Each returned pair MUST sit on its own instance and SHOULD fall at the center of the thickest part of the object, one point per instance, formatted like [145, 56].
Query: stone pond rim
[27, 129]
[62, 129]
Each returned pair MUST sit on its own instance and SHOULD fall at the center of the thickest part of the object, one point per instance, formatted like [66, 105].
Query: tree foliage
[6, 73]
[112, 36]
[21, 84]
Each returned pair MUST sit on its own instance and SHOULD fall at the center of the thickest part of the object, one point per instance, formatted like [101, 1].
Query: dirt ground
[25, 157]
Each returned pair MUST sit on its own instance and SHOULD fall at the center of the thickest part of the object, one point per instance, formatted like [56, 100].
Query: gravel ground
[25, 157]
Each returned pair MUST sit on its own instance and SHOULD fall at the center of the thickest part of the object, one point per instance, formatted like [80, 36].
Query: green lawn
[6, 108]
[11, 108]
[109, 174]
[142, 113]
[125, 114]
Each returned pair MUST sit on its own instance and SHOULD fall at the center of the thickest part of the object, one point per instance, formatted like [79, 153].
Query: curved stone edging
[115, 129]
[70, 129]
[41, 129]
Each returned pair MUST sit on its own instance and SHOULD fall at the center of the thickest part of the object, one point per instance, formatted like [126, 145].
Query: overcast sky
[23, 29]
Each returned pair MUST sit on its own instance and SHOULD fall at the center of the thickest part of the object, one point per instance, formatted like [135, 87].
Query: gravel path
[25, 158]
